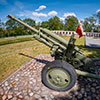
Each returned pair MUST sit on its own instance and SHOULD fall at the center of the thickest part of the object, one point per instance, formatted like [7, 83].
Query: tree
[71, 23]
[45, 24]
[55, 23]
[0, 23]
[38, 26]
[10, 24]
[2, 31]
[30, 21]
[86, 26]
[98, 16]
[89, 24]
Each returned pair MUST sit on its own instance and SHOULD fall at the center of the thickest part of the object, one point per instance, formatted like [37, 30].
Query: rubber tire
[59, 64]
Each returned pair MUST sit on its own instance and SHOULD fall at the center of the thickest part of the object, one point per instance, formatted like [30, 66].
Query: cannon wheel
[59, 75]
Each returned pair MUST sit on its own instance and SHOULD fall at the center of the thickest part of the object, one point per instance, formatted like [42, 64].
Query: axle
[87, 74]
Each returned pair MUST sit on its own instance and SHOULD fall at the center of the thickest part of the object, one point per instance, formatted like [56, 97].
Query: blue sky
[41, 10]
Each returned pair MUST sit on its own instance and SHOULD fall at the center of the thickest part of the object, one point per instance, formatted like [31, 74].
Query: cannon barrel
[31, 28]
[61, 40]
[58, 38]
[21, 22]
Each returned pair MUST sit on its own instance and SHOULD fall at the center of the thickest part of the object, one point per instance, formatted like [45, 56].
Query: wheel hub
[58, 77]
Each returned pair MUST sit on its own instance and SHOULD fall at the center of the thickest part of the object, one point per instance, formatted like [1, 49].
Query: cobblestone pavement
[92, 42]
[25, 84]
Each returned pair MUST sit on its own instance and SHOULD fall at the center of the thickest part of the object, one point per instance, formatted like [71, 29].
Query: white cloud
[98, 10]
[35, 15]
[20, 14]
[52, 13]
[69, 14]
[19, 4]
[24, 13]
[28, 14]
[39, 14]
[41, 8]
[62, 19]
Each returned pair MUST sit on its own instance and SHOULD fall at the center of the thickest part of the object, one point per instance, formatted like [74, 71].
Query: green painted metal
[21, 22]
[57, 37]
[51, 40]
[58, 77]
[37, 37]
[87, 74]
[62, 49]
[95, 59]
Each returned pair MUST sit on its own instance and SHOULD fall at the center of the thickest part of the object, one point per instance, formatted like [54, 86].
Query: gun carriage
[61, 74]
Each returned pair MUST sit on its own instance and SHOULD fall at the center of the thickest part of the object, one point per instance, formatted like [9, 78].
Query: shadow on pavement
[39, 60]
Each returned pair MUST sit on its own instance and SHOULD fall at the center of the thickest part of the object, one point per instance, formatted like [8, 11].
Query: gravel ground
[25, 84]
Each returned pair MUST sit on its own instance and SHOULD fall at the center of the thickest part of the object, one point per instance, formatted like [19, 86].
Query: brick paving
[92, 42]
[25, 84]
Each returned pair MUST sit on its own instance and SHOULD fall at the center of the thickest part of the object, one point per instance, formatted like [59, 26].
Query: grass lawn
[4, 41]
[11, 59]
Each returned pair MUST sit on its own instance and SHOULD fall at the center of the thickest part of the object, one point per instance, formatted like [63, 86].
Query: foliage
[1, 32]
[71, 23]
[13, 28]
[98, 16]
[0, 23]
[86, 26]
[45, 24]
[38, 26]
[10, 24]
[55, 23]
[30, 21]
[89, 24]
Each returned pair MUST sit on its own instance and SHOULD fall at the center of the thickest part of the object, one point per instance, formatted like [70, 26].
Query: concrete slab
[92, 42]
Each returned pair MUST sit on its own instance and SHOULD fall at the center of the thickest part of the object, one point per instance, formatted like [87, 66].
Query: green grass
[15, 40]
[11, 58]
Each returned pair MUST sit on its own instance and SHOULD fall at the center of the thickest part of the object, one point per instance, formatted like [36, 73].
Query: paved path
[92, 42]
[25, 84]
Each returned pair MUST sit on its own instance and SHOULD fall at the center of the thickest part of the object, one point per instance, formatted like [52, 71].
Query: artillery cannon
[61, 74]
